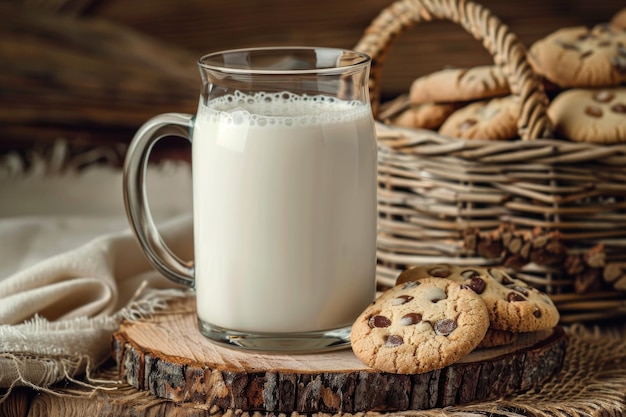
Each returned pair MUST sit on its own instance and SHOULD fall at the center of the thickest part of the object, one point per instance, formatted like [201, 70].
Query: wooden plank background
[218, 24]
[53, 88]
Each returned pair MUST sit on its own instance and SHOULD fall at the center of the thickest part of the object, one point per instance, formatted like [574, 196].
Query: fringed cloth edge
[40, 353]
[58, 158]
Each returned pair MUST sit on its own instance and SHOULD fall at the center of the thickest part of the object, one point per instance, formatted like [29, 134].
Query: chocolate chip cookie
[581, 56]
[424, 116]
[590, 115]
[459, 84]
[619, 19]
[494, 119]
[512, 304]
[420, 326]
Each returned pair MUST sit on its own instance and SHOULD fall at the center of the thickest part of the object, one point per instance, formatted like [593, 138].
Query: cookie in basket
[619, 19]
[417, 327]
[512, 304]
[424, 116]
[459, 84]
[402, 113]
[494, 119]
[581, 56]
[590, 115]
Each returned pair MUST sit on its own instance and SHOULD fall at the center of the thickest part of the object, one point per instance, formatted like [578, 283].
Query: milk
[287, 190]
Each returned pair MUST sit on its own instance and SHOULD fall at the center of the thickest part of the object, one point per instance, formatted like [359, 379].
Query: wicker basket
[552, 211]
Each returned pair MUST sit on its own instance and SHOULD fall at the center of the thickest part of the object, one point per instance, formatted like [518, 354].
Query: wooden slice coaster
[167, 356]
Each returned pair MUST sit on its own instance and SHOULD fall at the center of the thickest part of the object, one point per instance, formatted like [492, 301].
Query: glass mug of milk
[284, 197]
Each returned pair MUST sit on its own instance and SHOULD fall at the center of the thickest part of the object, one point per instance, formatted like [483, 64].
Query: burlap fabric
[591, 383]
[70, 268]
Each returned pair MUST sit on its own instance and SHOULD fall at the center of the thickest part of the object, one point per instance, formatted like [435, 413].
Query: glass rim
[363, 59]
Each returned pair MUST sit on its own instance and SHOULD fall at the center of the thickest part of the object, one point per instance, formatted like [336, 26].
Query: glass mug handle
[136, 199]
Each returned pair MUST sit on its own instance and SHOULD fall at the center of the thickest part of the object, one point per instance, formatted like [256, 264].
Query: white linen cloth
[71, 270]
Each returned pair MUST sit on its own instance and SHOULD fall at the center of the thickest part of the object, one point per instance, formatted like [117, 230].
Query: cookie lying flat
[418, 327]
[494, 119]
[590, 115]
[459, 84]
[581, 57]
[512, 304]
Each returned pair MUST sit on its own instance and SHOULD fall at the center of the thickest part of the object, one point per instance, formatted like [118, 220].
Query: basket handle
[505, 48]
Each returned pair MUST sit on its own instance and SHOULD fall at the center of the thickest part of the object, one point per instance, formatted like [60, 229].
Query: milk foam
[281, 109]
[285, 212]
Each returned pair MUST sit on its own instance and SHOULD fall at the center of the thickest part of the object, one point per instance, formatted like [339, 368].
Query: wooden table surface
[120, 399]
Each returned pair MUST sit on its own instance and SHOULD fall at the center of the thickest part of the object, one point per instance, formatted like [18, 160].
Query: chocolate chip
[478, 285]
[519, 289]
[570, 46]
[379, 321]
[440, 272]
[603, 28]
[500, 276]
[444, 327]
[393, 340]
[537, 313]
[469, 273]
[586, 54]
[436, 294]
[401, 299]
[410, 284]
[507, 280]
[604, 43]
[603, 96]
[619, 108]
[593, 111]
[514, 296]
[619, 62]
[410, 318]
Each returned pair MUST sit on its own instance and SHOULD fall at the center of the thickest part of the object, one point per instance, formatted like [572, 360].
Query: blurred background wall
[91, 71]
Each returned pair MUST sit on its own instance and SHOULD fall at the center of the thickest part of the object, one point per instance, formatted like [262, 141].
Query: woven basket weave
[553, 211]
